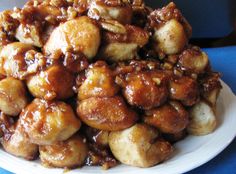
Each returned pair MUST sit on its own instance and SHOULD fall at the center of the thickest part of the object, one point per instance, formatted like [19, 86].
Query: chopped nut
[113, 26]
[63, 11]
[119, 81]
[167, 65]
[157, 80]
[71, 13]
[35, 3]
[29, 55]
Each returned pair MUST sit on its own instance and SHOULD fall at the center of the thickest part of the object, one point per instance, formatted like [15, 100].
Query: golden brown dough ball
[15, 60]
[99, 82]
[184, 89]
[116, 10]
[14, 140]
[48, 122]
[210, 87]
[107, 113]
[81, 35]
[139, 146]
[170, 39]
[122, 43]
[13, 96]
[33, 35]
[17, 144]
[146, 89]
[171, 30]
[193, 60]
[119, 51]
[202, 119]
[169, 118]
[53, 83]
[64, 154]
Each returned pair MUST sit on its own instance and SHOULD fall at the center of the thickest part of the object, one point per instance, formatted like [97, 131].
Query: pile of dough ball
[98, 82]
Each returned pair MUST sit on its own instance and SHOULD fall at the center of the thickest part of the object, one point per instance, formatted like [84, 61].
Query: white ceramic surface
[190, 153]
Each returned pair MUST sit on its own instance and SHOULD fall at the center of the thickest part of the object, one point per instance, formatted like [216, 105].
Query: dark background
[213, 21]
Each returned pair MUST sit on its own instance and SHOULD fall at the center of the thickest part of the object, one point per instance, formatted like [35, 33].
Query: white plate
[189, 154]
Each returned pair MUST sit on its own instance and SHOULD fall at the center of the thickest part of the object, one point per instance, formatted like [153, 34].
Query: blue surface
[224, 61]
